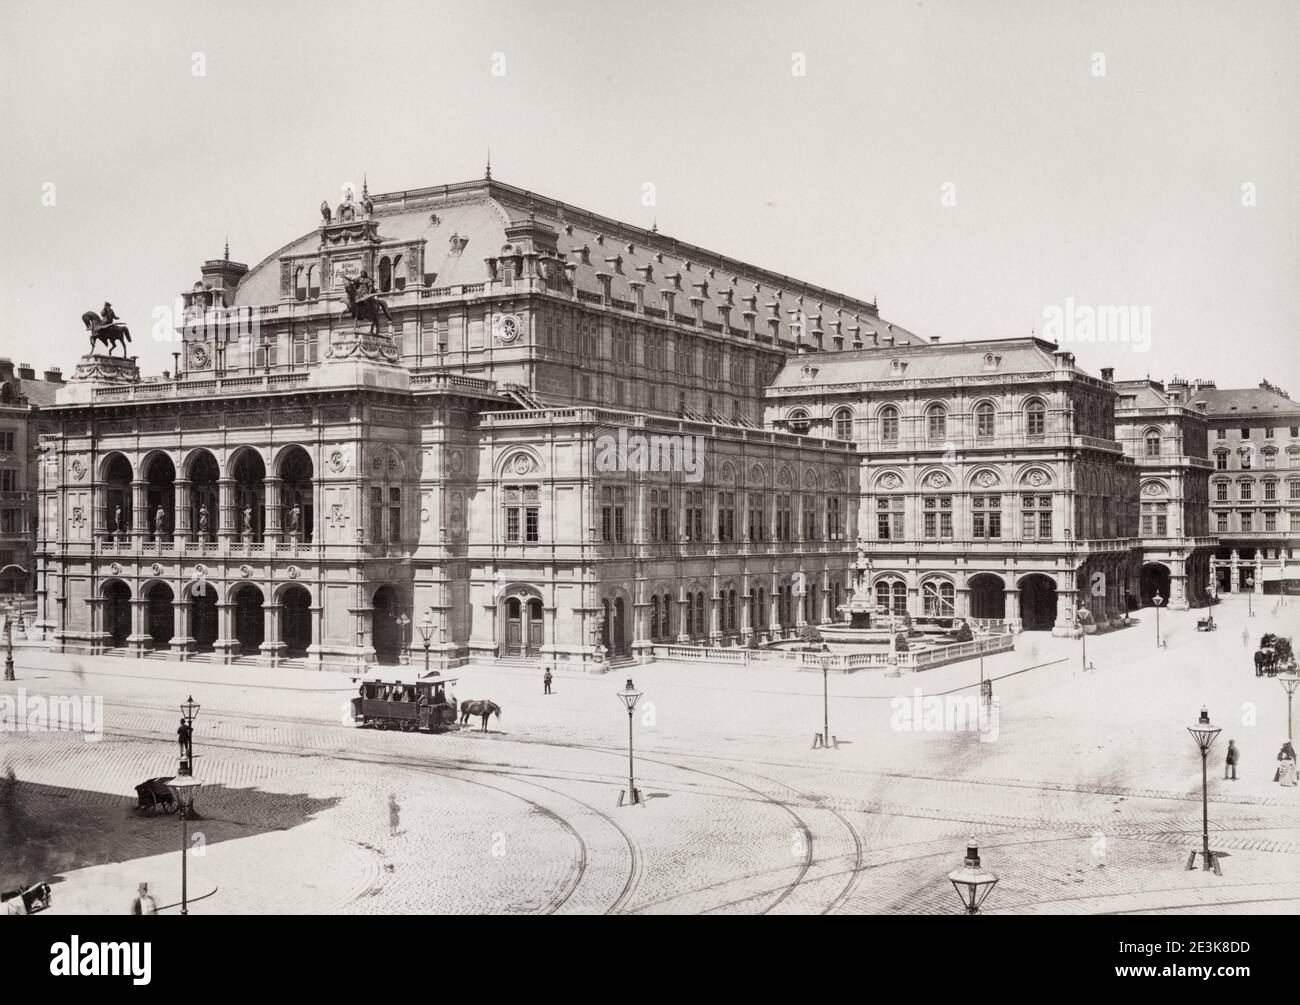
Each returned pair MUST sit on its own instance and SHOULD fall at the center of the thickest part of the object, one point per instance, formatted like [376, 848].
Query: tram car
[407, 703]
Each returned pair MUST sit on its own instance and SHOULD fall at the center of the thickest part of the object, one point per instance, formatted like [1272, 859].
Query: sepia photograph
[822, 459]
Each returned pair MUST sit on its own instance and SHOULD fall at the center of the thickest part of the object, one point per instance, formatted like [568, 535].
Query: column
[1259, 571]
[826, 598]
[226, 505]
[273, 647]
[226, 647]
[100, 528]
[1065, 626]
[746, 629]
[1011, 597]
[774, 609]
[139, 518]
[182, 640]
[139, 640]
[1234, 579]
[271, 530]
[715, 629]
[181, 517]
[682, 636]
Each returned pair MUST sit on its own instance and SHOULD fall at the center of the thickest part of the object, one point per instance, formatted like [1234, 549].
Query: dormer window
[897, 367]
[799, 423]
[991, 361]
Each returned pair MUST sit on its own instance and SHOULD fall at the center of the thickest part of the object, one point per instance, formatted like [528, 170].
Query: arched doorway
[117, 612]
[250, 625]
[203, 617]
[117, 496]
[1155, 579]
[250, 495]
[386, 631]
[204, 499]
[524, 626]
[160, 494]
[1037, 603]
[988, 598]
[296, 491]
[161, 623]
[295, 620]
[614, 628]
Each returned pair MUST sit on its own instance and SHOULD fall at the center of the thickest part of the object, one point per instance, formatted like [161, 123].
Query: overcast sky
[971, 164]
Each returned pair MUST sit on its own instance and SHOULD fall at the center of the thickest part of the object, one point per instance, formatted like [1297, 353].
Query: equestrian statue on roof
[105, 327]
[364, 303]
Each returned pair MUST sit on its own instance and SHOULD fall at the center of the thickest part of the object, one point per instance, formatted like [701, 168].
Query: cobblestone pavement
[1087, 799]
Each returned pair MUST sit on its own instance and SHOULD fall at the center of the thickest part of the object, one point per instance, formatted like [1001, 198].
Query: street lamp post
[426, 633]
[629, 696]
[824, 739]
[183, 790]
[9, 644]
[1157, 600]
[402, 621]
[972, 883]
[1250, 596]
[1289, 682]
[189, 710]
[1082, 617]
[1204, 733]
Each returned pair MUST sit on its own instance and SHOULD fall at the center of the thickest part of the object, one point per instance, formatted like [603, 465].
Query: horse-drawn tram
[393, 701]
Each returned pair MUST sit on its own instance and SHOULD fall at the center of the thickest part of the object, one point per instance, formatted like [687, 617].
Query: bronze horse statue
[107, 329]
[364, 303]
[479, 707]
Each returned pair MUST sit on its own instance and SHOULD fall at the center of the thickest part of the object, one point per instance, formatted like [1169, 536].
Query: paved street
[1087, 799]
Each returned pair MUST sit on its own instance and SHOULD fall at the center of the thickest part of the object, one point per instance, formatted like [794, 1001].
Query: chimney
[25, 372]
[54, 375]
[1108, 374]
[934, 339]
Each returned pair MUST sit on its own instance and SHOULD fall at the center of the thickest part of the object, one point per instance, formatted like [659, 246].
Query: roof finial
[365, 186]
[227, 247]
[487, 175]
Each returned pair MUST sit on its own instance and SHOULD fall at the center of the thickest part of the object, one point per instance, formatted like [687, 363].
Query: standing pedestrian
[144, 902]
[546, 682]
[394, 814]
[1230, 763]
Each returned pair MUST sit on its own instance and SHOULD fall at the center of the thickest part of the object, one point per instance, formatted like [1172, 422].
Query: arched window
[936, 422]
[985, 419]
[889, 424]
[399, 279]
[313, 283]
[300, 283]
[1152, 443]
[799, 422]
[938, 596]
[385, 275]
[844, 424]
[701, 626]
[654, 617]
[1035, 418]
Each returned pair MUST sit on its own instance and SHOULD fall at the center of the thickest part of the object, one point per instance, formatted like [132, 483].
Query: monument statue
[325, 211]
[107, 328]
[295, 515]
[347, 208]
[248, 520]
[364, 303]
[160, 521]
[118, 521]
[203, 520]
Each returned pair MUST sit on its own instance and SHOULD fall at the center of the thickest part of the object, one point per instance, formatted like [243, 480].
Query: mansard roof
[935, 360]
[467, 222]
[1238, 402]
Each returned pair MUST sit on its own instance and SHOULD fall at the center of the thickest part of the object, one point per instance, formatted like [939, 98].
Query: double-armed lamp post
[629, 696]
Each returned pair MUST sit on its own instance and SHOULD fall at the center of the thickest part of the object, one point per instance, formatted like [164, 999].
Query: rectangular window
[1268, 432]
[889, 518]
[376, 515]
[783, 517]
[1221, 462]
[9, 480]
[810, 518]
[726, 516]
[394, 516]
[834, 531]
[1293, 490]
[1270, 491]
[757, 521]
[1247, 491]
[1270, 521]
[987, 516]
[937, 516]
[1036, 517]
[1245, 521]
[522, 513]
[1222, 523]
[1220, 434]
[1245, 432]
[1220, 491]
[7, 440]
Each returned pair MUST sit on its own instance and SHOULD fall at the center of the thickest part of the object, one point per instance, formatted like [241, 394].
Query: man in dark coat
[546, 682]
[1230, 763]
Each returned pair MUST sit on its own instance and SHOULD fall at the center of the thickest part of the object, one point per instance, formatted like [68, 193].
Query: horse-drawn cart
[153, 795]
[1206, 624]
[1274, 656]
